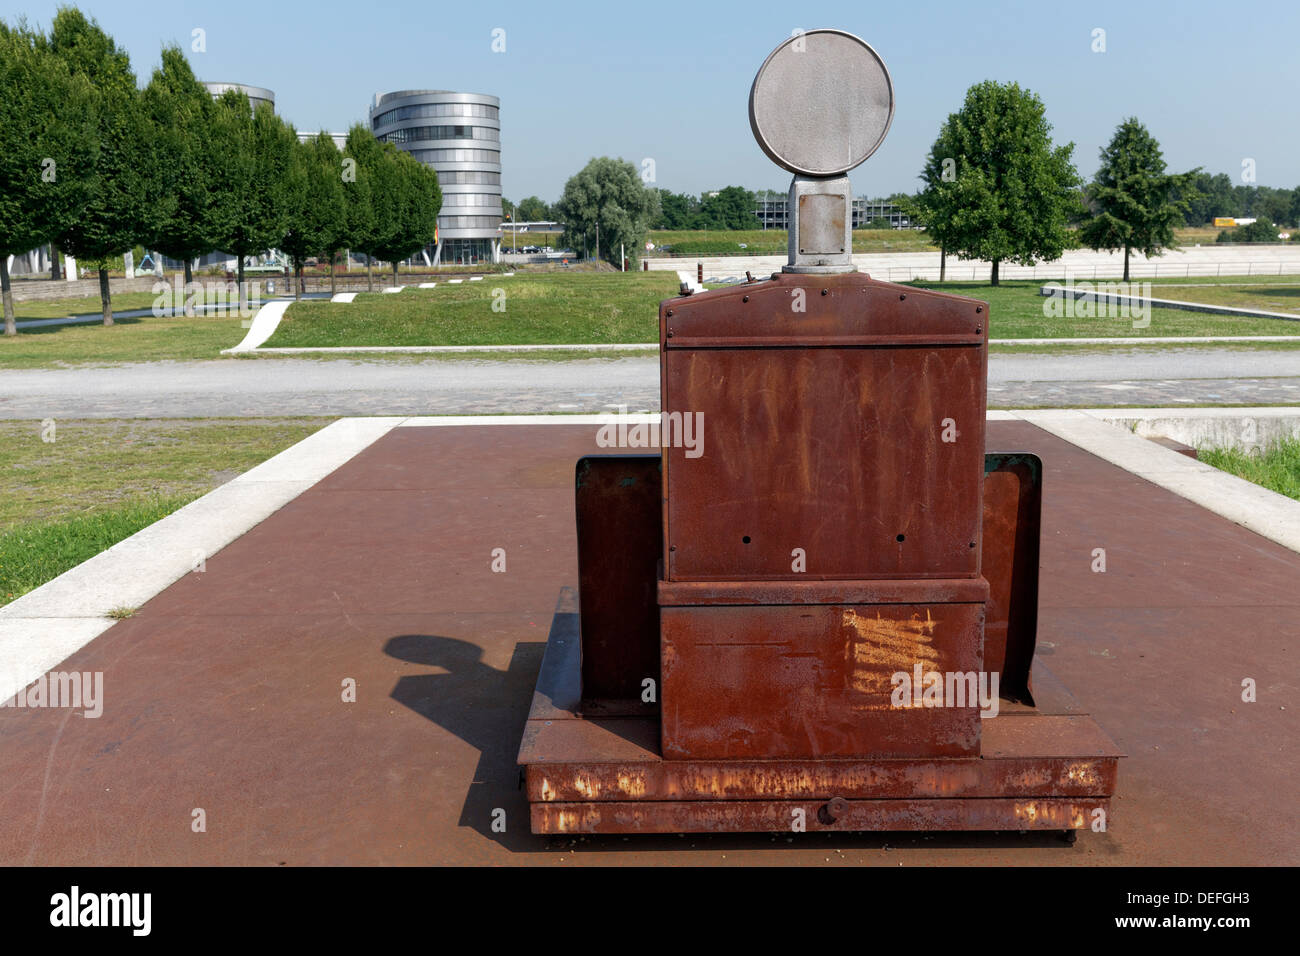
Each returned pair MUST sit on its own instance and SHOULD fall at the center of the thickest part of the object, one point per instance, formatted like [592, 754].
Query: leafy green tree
[607, 205]
[995, 187]
[253, 192]
[48, 148]
[360, 223]
[532, 209]
[373, 225]
[317, 214]
[414, 198]
[181, 112]
[731, 208]
[1133, 198]
[121, 208]
[676, 211]
[880, 222]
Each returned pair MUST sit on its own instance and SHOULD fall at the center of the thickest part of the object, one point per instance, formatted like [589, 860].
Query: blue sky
[1214, 82]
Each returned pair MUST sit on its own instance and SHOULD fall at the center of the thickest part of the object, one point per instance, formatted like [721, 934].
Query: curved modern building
[459, 135]
[255, 94]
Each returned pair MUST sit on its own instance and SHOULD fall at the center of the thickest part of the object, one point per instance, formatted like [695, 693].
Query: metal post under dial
[821, 104]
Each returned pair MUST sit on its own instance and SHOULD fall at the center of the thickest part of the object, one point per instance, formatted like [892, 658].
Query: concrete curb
[44, 626]
[1117, 298]
[1265, 512]
[262, 327]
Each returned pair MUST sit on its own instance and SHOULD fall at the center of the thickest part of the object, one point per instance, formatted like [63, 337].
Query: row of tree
[997, 188]
[95, 165]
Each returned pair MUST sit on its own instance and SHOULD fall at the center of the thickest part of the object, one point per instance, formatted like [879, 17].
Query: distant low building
[340, 139]
[255, 94]
[773, 213]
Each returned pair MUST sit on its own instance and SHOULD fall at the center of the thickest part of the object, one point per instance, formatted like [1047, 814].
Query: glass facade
[413, 134]
[469, 224]
[432, 110]
[466, 251]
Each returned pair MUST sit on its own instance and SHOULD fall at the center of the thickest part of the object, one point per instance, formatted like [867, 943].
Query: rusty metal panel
[1013, 489]
[620, 534]
[780, 816]
[838, 451]
[715, 593]
[814, 680]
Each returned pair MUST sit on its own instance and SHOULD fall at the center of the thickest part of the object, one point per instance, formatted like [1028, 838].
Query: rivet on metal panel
[832, 810]
[670, 312]
[824, 292]
[744, 298]
[978, 309]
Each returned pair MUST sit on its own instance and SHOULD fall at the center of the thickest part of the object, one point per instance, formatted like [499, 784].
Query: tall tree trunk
[943, 263]
[1126, 263]
[189, 271]
[104, 297]
[333, 258]
[395, 282]
[11, 327]
[370, 279]
[993, 278]
[54, 262]
[239, 284]
[297, 283]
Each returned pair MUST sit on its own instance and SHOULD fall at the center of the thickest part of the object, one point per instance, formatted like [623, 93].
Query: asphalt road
[264, 387]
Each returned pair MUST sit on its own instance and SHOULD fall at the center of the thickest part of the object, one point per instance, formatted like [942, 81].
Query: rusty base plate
[1047, 766]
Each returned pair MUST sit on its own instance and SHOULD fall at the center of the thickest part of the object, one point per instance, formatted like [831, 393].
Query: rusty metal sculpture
[821, 615]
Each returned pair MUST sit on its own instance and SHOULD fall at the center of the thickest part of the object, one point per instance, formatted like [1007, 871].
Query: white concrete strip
[1265, 512]
[600, 347]
[475, 278]
[1245, 429]
[263, 326]
[455, 281]
[1151, 340]
[343, 296]
[32, 647]
[689, 281]
[507, 274]
[44, 626]
[389, 290]
[1142, 301]
[427, 285]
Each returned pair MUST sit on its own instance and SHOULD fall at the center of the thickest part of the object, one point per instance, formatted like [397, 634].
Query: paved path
[336, 387]
[224, 691]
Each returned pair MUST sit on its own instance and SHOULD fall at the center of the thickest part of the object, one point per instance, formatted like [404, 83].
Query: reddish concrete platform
[224, 692]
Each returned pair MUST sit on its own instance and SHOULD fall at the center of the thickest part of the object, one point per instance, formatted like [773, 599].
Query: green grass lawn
[102, 480]
[1272, 296]
[771, 242]
[571, 307]
[565, 308]
[79, 305]
[1277, 468]
[593, 308]
[174, 339]
[1016, 312]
